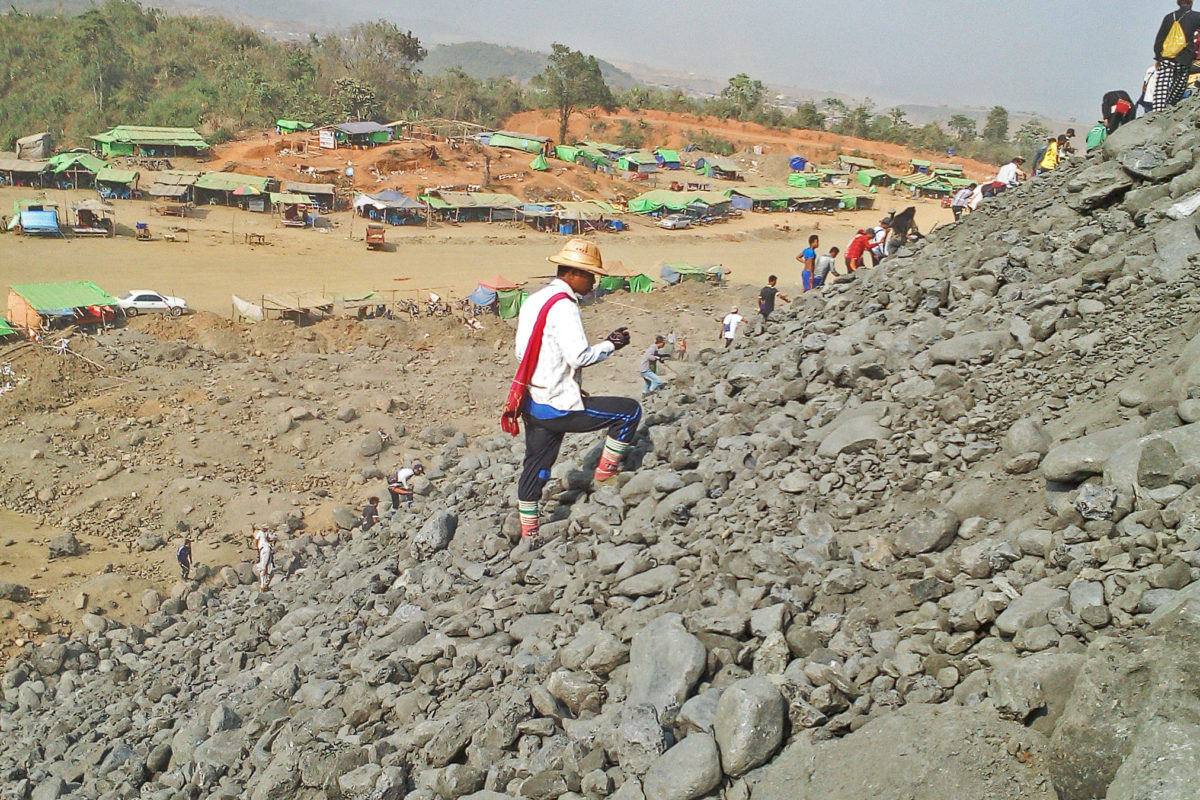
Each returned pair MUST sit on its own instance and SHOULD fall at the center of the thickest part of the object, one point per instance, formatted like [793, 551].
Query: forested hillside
[485, 60]
[122, 63]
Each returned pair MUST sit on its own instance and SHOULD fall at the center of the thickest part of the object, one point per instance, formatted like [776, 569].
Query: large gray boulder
[665, 662]
[1131, 729]
[689, 770]
[434, 535]
[1073, 461]
[1032, 608]
[930, 531]
[971, 347]
[749, 724]
[945, 752]
[1145, 462]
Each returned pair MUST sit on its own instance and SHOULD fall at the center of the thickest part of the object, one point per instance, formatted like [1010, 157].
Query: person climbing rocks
[184, 556]
[729, 325]
[398, 483]
[648, 368]
[767, 295]
[962, 199]
[370, 514]
[264, 544]
[880, 234]
[826, 266]
[854, 250]
[546, 394]
[1174, 52]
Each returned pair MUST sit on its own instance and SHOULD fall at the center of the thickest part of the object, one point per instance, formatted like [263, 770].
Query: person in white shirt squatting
[555, 404]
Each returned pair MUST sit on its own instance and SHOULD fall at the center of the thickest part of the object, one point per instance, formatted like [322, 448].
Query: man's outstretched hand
[619, 338]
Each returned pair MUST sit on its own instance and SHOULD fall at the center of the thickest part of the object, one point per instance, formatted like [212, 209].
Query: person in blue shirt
[809, 259]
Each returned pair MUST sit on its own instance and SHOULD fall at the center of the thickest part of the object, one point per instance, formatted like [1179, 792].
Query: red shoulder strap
[519, 391]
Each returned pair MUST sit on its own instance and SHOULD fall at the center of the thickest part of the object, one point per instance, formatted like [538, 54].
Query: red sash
[510, 419]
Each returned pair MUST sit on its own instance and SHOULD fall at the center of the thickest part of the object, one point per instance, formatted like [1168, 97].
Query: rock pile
[932, 532]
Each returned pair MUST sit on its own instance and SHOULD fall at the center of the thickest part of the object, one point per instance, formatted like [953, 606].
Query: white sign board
[328, 140]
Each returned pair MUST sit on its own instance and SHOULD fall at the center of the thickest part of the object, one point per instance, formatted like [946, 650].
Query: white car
[675, 222]
[144, 301]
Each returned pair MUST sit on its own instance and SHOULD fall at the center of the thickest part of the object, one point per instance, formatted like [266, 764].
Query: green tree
[354, 99]
[744, 93]
[1031, 136]
[808, 117]
[98, 53]
[964, 127]
[572, 81]
[384, 58]
[995, 127]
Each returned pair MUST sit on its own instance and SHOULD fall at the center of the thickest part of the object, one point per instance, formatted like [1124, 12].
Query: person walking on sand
[546, 393]
[729, 325]
[184, 557]
[264, 544]
[766, 298]
[648, 369]
[398, 483]
[1174, 52]
[809, 259]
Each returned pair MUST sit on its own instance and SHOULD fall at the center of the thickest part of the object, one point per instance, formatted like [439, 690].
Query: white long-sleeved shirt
[1008, 175]
[565, 348]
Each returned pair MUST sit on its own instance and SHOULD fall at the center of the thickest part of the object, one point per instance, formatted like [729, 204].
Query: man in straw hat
[552, 347]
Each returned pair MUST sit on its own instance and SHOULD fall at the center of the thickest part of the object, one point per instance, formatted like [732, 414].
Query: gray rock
[656, 580]
[640, 738]
[345, 518]
[855, 436]
[749, 724]
[1026, 436]
[1031, 608]
[1034, 691]
[665, 662]
[984, 345]
[918, 751]
[14, 592]
[434, 535]
[689, 770]
[63, 545]
[1075, 460]
[930, 531]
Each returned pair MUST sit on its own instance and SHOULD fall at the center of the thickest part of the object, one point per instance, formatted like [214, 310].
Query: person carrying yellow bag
[1174, 52]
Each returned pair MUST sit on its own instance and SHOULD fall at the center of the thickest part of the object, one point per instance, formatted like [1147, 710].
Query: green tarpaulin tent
[518, 141]
[564, 152]
[856, 161]
[510, 303]
[641, 283]
[76, 162]
[611, 283]
[874, 177]
[230, 181]
[123, 139]
[539, 163]
[659, 199]
[804, 179]
[292, 125]
[56, 296]
[591, 154]
[6, 329]
[125, 177]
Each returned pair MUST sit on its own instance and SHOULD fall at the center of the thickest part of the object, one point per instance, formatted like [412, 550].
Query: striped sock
[527, 512]
[610, 458]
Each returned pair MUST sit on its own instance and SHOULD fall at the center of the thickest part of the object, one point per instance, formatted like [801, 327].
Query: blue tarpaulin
[482, 296]
[39, 222]
[799, 163]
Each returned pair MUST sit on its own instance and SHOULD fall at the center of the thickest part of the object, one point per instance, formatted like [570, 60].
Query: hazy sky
[1056, 59]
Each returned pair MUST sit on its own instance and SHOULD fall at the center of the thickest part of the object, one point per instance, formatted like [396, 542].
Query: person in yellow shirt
[1047, 159]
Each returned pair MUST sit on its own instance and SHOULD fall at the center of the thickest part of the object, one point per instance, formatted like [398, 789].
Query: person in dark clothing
[370, 514]
[766, 298]
[1171, 60]
[1117, 108]
[184, 557]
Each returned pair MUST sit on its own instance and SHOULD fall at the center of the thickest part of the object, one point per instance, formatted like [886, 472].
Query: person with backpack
[1174, 52]
[546, 394]
[184, 557]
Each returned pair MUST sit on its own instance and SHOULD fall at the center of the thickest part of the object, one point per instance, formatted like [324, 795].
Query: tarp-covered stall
[34, 307]
[129, 140]
[93, 218]
[510, 302]
[75, 170]
[21, 172]
[852, 163]
[874, 177]
[668, 158]
[719, 167]
[473, 206]
[809, 180]
[232, 189]
[564, 152]
[389, 206]
[664, 200]
[292, 125]
[361, 134]
[175, 184]
[118, 184]
[321, 195]
[516, 141]
[638, 161]
[674, 272]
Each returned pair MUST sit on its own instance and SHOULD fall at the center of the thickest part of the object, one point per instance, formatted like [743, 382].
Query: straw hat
[580, 254]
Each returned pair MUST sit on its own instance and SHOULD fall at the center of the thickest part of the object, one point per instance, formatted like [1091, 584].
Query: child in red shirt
[854, 251]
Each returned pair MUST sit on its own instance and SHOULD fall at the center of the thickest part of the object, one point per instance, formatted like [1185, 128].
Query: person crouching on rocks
[546, 394]
[398, 484]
